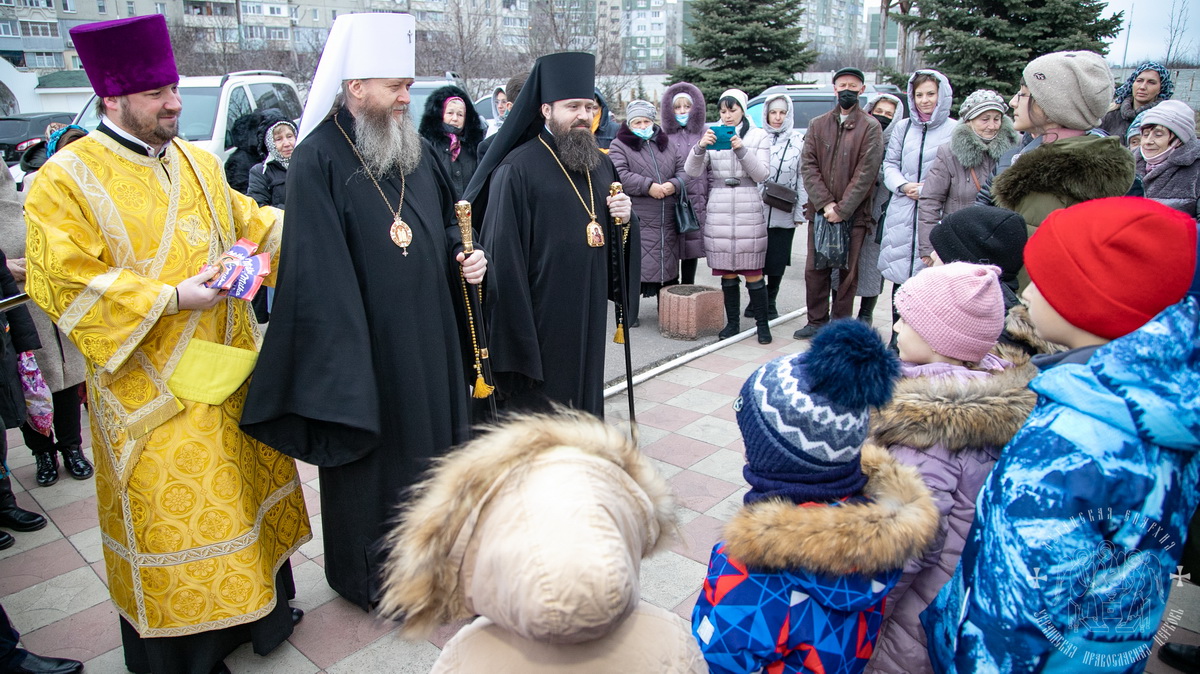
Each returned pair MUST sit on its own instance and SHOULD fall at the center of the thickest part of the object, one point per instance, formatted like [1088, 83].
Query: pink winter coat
[735, 233]
[950, 423]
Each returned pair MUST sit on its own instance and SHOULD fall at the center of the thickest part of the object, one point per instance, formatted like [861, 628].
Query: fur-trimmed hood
[897, 523]
[695, 123]
[1019, 328]
[1081, 168]
[539, 525]
[626, 135]
[474, 129]
[954, 412]
[970, 150]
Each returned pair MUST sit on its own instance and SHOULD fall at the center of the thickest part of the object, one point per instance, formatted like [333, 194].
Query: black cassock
[547, 289]
[361, 371]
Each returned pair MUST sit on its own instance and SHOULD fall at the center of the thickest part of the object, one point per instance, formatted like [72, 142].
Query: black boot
[47, 468]
[6, 540]
[13, 516]
[758, 302]
[731, 287]
[866, 310]
[773, 283]
[76, 463]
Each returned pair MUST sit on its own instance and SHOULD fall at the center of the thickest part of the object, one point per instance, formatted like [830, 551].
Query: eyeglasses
[1020, 95]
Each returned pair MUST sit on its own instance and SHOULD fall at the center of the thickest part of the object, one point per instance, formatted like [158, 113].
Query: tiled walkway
[52, 581]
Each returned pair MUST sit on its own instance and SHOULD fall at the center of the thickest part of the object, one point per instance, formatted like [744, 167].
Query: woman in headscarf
[1149, 85]
[1169, 157]
[683, 124]
[784, 169]
[982, 136]
[268, 178]
[455, 130]
[735, 236]
[651, 171]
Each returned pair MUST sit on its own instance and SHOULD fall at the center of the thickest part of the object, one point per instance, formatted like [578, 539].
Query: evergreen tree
[744, 44]
[985, 44]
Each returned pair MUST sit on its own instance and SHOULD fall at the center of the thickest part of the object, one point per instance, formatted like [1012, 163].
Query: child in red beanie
[1082, 521]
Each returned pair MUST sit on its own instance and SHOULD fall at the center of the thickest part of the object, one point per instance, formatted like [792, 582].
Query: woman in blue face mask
[651, 169]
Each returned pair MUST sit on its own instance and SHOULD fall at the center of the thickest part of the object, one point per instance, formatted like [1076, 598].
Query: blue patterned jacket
[1081, 524]
[800, 588]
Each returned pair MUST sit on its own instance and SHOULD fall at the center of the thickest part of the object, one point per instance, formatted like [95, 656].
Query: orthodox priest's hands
[193, 296]
[473, 266]
[620, 206]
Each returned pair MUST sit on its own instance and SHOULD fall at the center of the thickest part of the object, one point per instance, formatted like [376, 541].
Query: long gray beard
[386, 143]
[577, 148]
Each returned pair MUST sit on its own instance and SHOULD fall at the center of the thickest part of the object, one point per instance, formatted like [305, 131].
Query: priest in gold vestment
[198, 520]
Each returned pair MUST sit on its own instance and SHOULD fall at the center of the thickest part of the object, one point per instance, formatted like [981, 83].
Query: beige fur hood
[1019, 328]
[539, 525]
[897, 524]
[956, 413]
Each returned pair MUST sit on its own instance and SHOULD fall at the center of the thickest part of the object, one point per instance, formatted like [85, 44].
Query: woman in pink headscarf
[455, 130]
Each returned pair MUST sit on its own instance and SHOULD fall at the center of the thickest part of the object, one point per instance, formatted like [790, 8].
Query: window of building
[275, 10]
[39, 29]
[656, 52]
[8, 29]
[656, 26]
[101, 7]
[47, 4]
[254, 32]
[251, 8]
[76, 63]
[160, 8]
[130, 9]
[332, 14]
[656, 14]
[7, 3]
[45, 59]
[278, 34]
[68, 6]
[316, 14]
[226, 35]
[641, 28]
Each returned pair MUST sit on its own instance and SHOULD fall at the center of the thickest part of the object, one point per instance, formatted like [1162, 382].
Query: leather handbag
[685, 216]
[777, 195]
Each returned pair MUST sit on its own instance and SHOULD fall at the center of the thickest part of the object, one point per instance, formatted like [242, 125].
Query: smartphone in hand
[723, 133]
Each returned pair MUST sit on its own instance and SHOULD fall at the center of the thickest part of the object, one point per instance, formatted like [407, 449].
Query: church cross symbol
[410, 37]
[1180, 577]
[1037, 576]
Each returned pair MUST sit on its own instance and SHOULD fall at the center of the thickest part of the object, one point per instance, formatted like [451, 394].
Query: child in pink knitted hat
[955, 408]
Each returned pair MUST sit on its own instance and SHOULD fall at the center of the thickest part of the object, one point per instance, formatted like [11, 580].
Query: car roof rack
[225, 78]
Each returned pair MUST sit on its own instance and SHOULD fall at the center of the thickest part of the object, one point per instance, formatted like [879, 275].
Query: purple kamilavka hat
[126, 56]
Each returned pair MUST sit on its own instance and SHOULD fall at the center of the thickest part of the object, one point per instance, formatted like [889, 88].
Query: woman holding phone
[735, 233]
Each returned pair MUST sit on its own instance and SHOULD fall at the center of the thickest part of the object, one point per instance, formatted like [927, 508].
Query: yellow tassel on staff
[482, 389]
[619, 335]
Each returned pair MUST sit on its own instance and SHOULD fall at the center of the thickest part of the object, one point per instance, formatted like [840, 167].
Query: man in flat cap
[543, 193]
[197, 519]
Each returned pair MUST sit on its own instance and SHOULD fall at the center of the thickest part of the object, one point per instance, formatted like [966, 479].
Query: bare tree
[1177, 31]
[885, 6]
[903, 46]
[470, 44]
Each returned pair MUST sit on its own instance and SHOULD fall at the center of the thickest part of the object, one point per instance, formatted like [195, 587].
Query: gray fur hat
[640, 108]
[1074, 88]
[980, 102]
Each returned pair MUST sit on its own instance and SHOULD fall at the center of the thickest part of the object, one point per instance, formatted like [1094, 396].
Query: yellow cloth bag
[209, 372]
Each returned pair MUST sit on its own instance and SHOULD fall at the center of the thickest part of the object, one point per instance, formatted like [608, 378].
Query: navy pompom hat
[804, 417]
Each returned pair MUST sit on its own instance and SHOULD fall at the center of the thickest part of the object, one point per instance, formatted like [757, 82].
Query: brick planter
[690, 311]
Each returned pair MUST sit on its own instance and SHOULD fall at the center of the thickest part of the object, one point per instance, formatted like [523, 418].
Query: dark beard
[577, 148]
[386, 143]
[146, 129]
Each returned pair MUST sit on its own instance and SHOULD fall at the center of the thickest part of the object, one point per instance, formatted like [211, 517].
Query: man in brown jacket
[842, 154]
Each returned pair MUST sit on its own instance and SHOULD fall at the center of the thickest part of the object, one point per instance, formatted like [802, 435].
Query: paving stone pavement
[52, 581]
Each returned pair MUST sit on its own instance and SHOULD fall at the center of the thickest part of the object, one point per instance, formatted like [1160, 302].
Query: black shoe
[76, 463]
[6, 540]
[220, 668]
[18, 519]
[47, 468]
[297, 616]
[635, 323]
[808, 331]
[32, 663]
[1181, 657]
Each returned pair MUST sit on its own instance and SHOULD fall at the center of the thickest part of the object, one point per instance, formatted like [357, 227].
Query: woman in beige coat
[60, 362]
[539, 528]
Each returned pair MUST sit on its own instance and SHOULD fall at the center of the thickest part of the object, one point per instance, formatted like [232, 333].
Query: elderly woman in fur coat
[455, 130]
[538, 528]
[799, 581]
[957, 173]
[953, 411]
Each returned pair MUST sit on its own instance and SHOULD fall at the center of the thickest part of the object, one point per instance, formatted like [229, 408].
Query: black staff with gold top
[484, 383]
[620, 239]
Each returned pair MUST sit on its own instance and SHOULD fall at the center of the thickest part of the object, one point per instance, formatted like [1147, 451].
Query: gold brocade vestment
[196, 517]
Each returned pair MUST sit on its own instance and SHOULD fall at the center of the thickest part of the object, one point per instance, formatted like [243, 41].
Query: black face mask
[883, 121]
[450, 128]
[847, 99]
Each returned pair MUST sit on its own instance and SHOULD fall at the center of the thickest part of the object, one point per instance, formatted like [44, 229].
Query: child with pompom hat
[1081, 523]
[799, 581]
[955, 407]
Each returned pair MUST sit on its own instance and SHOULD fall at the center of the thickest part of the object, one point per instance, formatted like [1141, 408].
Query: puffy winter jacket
[786, 144]
[1081, 521]
[640, 164]
[683, 138]
[948, 422]
[735, 234]
[910, 152]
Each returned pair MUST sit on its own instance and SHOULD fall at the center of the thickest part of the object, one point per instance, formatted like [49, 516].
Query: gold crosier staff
[484, 383]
